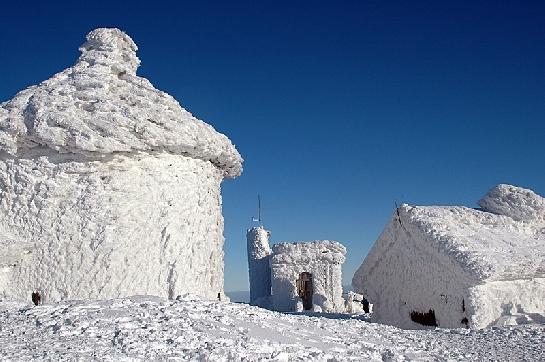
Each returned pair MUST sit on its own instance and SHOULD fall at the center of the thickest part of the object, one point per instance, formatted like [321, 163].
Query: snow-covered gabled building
[295, 276]
[108, 187]
[455, 266]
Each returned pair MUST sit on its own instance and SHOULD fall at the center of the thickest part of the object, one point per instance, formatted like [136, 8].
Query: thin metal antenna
[258, 211]
[259, 208]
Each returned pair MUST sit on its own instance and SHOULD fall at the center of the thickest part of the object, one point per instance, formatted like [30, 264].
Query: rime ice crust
[460, 262]
[259, 271]
[516, 202]
[108, 188]
[100, 106]
[123, 227]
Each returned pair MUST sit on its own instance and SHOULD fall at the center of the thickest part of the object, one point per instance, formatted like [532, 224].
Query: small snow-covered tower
[307, 276]
[291, 277]
[259, 269]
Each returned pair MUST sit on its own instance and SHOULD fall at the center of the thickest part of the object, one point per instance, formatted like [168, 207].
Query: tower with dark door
[307, 276]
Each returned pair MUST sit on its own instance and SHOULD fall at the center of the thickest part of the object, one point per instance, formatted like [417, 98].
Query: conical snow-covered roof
[100, 106]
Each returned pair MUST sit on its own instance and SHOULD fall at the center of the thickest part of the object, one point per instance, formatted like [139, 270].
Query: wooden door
[305, 289]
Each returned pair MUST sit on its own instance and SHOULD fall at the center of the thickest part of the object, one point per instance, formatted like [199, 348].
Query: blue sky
[340, 109]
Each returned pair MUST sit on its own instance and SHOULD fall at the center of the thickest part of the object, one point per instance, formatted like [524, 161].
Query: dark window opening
[465, 322]
[426, 319]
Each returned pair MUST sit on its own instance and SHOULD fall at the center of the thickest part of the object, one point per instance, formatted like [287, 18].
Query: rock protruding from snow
[100, 106]
[516, 202]
[259, 252]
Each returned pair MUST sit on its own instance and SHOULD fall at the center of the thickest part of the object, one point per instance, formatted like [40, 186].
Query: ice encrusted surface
[301, 252]
[323, 259]
[486, 245]
[458, 261]
[516, 202]
[147, 224]
[100, 106]
[259, 252]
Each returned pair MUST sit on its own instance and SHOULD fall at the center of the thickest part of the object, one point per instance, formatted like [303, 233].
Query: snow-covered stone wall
[259, 252]
[95, 229]
[323, 259]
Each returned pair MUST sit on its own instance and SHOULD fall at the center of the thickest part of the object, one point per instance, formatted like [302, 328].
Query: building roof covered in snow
[504, 240]
[100, 106]
[327, 250]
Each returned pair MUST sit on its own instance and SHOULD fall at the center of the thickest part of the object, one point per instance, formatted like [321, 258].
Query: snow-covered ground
[191, 329]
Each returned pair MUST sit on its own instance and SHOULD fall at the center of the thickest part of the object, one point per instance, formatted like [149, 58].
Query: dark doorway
[305, 289]
[36, 298]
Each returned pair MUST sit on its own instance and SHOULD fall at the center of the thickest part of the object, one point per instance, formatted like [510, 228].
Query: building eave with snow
[108, 187]
[459, 267]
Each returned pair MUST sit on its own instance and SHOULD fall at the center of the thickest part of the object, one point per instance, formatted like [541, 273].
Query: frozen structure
[108, 187]
[295, 276]
[453, 266]
[259, 253]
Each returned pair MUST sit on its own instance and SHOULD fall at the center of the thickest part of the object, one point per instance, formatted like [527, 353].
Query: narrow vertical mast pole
[259, 209]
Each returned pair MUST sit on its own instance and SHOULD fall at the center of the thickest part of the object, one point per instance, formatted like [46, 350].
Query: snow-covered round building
[295, 276]
[108, 187]
[453, 266]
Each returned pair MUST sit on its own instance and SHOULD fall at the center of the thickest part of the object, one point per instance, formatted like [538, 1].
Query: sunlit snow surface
[144, 328]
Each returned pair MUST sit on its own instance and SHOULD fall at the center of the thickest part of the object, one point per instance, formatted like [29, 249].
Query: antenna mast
[258, 211]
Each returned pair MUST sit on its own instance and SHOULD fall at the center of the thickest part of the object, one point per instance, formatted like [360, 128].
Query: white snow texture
[474, 267]
[108, 187]
[154, 329]
[100, 106]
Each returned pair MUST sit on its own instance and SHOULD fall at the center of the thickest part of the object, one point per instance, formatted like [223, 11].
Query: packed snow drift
[108, 187]
[455, 266]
